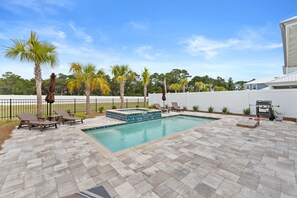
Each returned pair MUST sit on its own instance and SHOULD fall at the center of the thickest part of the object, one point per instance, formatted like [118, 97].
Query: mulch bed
[6, 127]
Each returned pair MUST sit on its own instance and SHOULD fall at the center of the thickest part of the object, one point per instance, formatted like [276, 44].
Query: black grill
[262, 107]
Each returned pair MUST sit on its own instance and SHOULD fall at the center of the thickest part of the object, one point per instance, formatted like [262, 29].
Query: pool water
[121, 137]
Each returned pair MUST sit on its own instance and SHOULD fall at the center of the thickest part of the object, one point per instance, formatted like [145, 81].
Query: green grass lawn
[74, 108]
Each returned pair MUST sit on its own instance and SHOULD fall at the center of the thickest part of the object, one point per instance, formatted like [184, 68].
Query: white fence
[80, 99]
[235, 101]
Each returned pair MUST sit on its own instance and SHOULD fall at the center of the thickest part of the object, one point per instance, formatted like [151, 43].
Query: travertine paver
[214, 160]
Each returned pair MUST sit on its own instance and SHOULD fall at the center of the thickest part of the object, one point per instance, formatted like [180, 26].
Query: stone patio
[216, 160]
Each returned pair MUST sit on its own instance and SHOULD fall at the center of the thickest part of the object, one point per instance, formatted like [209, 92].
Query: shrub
[101, 109]
[68, 111]
[114, 107]
[210, 109]
[225, 110]
[137, 106]
[185, 108]
[81, 115]
[195, 108]
[246, 111]
[151, 107]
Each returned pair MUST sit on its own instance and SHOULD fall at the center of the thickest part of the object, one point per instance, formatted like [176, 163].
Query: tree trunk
[184, 88]
[144, 95]
[88, 92]
[38, 83]
[122, 90]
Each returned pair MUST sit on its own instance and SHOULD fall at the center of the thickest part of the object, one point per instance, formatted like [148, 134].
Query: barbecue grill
[263, 107]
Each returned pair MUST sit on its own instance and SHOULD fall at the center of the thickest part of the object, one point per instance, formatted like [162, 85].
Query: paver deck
[217, 159]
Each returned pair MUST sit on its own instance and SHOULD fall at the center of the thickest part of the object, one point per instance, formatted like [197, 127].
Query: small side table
[55, 118]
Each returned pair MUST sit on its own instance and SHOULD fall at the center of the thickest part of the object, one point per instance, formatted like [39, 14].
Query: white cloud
[51, 32]
[3, 36]
[41, 7]
[251, 40]
[80, 33]
[146, 51]
[137, 25]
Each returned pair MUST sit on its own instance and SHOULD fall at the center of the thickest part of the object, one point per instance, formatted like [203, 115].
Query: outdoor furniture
[175, 107]
[249, 122]
[32, 121]
[66, 117]
[57, 118]
[158, 106]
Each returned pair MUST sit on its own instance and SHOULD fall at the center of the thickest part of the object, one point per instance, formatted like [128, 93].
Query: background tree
[156, 83]
[133, 86]
[175, 87]
[121, 73]
[86, 76]
[199, 85]
[239, 85]
[145, 83]
[219, 88]
[175, 76]
[14, 84]
[183, 82]
[230, 85]
[37, 52]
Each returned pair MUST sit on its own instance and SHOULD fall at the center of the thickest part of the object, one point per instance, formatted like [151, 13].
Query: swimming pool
[120, 137]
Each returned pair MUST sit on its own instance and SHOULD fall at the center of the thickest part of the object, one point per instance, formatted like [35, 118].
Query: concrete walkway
[216, 160]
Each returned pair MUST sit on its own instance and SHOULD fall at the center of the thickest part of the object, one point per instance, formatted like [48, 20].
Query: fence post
[10, 108]
[96, 105]
[74, 106]
[126, 102]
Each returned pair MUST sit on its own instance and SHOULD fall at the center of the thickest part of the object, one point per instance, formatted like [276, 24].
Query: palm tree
[38, 52]
[175, 87]
[86, 76]
[183, 82]
[121, 73]
[200, 85]
[145, 83]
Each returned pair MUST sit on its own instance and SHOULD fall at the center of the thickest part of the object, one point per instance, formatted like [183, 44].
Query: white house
[288, 81]
[289, 37]
[258, 84]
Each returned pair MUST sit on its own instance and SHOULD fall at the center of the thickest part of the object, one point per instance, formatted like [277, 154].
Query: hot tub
[133, 115]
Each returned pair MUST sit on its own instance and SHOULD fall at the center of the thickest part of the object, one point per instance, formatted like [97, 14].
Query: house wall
[235, 101]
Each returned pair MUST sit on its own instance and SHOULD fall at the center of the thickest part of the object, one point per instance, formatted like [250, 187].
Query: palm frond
[76, 69]
[145, 77]
[74, 84]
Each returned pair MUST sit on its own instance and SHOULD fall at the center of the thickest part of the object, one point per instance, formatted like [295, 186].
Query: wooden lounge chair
[158, 106]
[32, 121]
[66, 117]
[249, 123]
[175, 107]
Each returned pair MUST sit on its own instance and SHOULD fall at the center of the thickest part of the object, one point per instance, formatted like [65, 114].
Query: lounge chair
[175, 107]
[32, 121]
[66, 117]
[249, 122]
[158, 106]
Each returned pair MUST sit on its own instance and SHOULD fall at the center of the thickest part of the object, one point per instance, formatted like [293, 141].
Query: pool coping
[128, 113]
[108, 154]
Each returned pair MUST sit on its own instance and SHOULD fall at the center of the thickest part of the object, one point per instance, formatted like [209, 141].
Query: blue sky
[228, 38]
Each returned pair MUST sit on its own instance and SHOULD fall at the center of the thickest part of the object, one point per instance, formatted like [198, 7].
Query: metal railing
[9, 108]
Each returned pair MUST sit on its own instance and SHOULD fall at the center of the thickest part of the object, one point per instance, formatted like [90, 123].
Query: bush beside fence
[235, 101]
